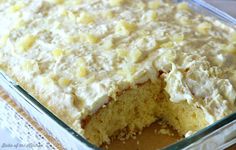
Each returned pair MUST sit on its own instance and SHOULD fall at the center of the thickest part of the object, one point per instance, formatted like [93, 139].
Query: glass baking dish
[219, 135]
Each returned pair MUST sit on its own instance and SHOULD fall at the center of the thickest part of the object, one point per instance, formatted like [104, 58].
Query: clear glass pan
[219, 135]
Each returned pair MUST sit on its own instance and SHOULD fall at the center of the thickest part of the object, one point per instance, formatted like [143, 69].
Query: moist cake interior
[137, 108]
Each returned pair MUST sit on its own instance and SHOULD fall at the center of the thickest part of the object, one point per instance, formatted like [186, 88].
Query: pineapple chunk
[82, 71]
[131, 69]
[17, 7]
[154, 4]
[116, 2]
[204, 27]
[183, 6]
[108, 44]
[72, 39]
[57, 1]
[122, 53]
[58, 53]
[125, 28]
[3, 40]
[86, 18]
[64, 82]
[177, 38]
[54, 76]
[78, 2]
[92, 39]
[136, 56]
[167, 45]
[233, 37]
[26, 42]
[128, 71]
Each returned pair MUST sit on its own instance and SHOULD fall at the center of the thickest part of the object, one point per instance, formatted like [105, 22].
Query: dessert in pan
[112, 67]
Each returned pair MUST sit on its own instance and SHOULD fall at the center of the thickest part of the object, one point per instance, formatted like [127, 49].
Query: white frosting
[197, 70]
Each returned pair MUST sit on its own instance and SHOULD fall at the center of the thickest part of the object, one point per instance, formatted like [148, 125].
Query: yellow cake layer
[137, 108]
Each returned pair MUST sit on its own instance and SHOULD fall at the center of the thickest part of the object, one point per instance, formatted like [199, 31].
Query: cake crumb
[106, 147]
[165, 132]
[138, 142]
[155, 131]
[134, 137]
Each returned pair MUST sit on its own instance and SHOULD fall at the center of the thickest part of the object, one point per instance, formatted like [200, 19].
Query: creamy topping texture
[78, 53]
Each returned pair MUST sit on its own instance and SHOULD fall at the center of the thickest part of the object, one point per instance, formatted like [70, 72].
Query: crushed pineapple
[58, 53]
[75, 2]
[3, 40]
[204, 27]
[116, 2]
[129, 70]
[167, 45]
[26, 42]
[78, 2]
[54, 76]
[143, 33]
[17, 7]
[57, 1]
[82, 71]
[92, 39]
[177, 38]
[125, 28]
[122, 53]
[154, 4]
[108, 44]
[85, 18]
[183, 6]
[72, 39]
[64, 82]
[136, 55]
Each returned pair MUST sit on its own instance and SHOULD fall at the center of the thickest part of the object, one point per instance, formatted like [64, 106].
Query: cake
[109, 68]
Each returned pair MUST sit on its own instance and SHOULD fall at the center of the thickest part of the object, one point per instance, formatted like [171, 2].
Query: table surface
[226, 5]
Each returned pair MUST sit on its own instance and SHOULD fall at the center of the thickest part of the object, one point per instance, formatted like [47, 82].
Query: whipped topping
[83, 52]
